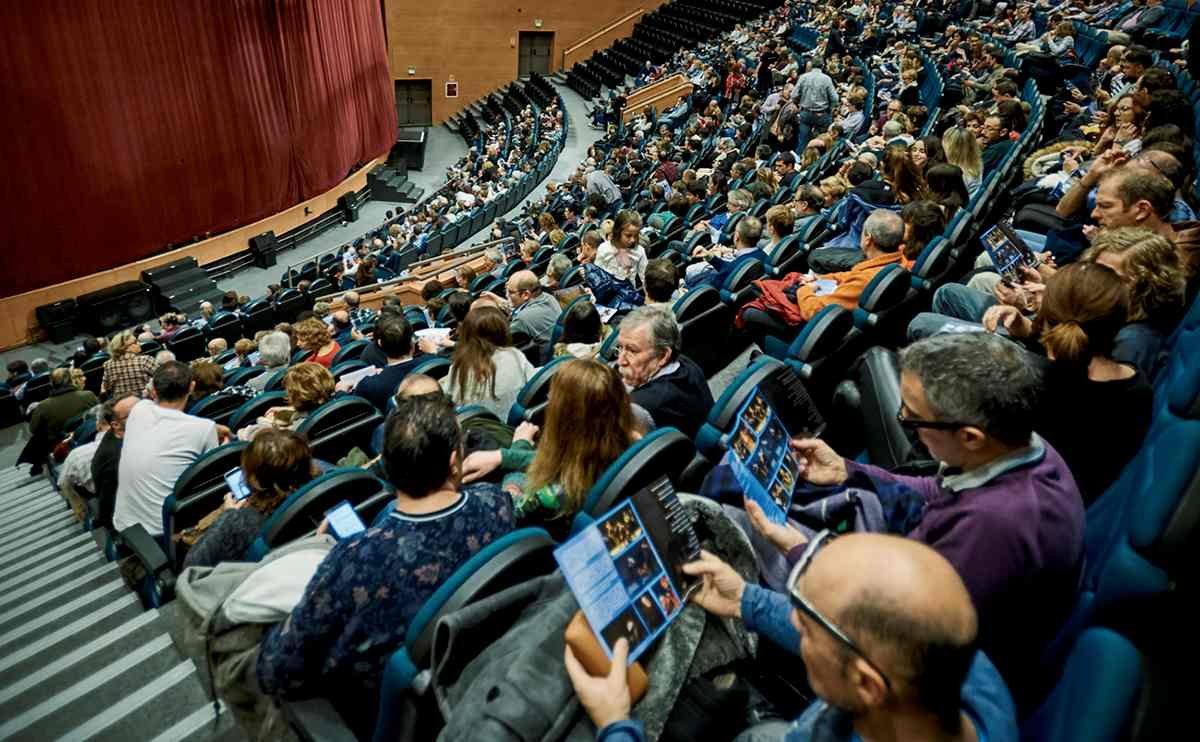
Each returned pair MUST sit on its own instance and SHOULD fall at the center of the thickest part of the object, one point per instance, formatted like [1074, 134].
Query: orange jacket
[850, 285]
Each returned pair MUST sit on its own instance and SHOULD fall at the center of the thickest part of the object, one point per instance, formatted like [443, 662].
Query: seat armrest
[146, 548]
[316, 720]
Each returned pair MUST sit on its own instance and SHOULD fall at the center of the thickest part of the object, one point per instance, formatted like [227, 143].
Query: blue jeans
[951, 303]
[807, 122]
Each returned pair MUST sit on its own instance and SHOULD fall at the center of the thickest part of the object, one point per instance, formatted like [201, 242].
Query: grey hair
[39, 366]
[99, 413]
[274, 350]
[661, 324]
[163, 356]
[742, 197]
[749, 230]
[885, 228]
[558, 265]
[979, 379]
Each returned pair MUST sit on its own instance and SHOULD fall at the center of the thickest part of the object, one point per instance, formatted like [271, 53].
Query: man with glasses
[1004, 508]
[996, 143]
[534, 312]
[886, 631]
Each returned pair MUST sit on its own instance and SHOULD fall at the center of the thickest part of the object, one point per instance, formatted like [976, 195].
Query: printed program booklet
[760, 454]
[626, 568]
[1008, 251]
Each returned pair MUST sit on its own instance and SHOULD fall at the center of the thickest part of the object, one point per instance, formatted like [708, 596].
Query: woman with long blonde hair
[962, 149]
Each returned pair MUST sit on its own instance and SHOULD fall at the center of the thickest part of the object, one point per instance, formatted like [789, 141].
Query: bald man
[886, 630]
[534, 311]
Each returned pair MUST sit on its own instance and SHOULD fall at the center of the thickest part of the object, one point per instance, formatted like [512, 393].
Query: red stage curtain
[129, 125]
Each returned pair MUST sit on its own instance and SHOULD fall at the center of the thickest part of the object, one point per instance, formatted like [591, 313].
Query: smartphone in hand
[343, 521]
[236, 479]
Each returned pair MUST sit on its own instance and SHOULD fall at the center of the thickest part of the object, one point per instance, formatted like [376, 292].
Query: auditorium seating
[1102, 679]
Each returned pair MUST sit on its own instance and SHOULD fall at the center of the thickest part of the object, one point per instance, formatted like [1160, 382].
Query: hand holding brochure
[626, 569]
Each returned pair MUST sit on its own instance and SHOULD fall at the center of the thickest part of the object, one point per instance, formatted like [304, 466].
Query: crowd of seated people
[1028, 391]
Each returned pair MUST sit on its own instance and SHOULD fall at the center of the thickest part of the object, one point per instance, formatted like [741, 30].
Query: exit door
[414, 102]
[533, 52]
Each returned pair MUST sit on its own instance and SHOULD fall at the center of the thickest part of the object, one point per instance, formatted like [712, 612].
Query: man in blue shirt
[718, 269]
[886, 631]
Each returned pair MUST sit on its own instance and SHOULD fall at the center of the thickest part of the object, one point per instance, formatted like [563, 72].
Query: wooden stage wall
[18, 325]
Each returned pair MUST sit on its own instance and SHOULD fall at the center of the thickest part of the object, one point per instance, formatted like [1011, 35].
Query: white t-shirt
[159, 444]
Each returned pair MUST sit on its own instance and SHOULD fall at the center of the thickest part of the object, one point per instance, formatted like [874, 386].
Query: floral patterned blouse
[357, 607]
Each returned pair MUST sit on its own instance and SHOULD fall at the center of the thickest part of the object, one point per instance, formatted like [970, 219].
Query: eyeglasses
[807, 608]
[914, 424]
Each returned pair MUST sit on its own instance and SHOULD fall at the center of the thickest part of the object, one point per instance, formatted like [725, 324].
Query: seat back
[778, 383]
[339, 425]
[199, 490]
[303, 510]
[347, 367]
[825, 346]
[217, 407]
[535, 392]
[735, 290]
[695, 302]
[932, 265]
[436, 367]
[573, 277]
[93, 372]
[557, 330]
[290, 303]
[1104, 673]
[254, 408]
[239, 376]
[187, 344]
[226, 325]
[663, 452]
[350, 351]
[509, 560]
[274, 381]
[705, 328]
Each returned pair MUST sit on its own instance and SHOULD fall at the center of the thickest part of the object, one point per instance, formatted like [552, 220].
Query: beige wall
[476, 40]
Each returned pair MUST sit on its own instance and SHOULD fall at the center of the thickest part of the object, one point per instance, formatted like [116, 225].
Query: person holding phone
[273, 466]
[357, 607]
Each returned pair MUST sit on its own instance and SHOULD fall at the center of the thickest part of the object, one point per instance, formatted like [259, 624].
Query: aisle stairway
[79, 658]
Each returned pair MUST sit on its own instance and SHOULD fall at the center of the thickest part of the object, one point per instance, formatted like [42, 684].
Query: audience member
[274, 352]
[666, 383]
[335, 644]
[534, 311]
[161, 440]
[127, 371]
[582, 332]
[1096, 410]
[275, 464]
[662, 281]
[776, 314]
[394, 336]
[65, 401]
[106, 461]
[313, 337]
[621, 255]
[887, 634]
[1006, 511]
[308, 386]
[485, 367]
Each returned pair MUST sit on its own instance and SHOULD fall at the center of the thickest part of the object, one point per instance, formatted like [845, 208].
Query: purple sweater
[1014, 531]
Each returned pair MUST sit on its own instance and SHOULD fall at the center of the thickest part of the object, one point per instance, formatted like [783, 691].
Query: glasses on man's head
[908, 422]
[807, 608]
